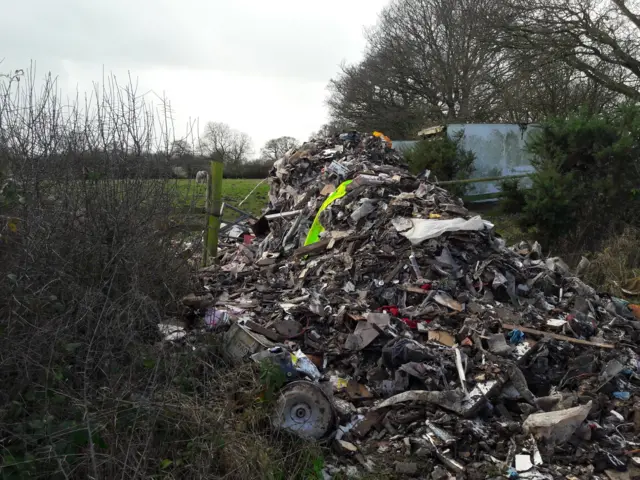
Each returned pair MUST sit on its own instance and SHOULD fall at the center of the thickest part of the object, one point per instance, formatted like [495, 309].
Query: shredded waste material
[413, 338]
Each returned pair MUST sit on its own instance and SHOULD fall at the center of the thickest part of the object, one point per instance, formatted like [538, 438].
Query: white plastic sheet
[417, 230]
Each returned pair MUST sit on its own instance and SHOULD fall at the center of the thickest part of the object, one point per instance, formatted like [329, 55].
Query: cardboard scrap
[357, 391]
[442, 337]
[328, 189]
[288, 328]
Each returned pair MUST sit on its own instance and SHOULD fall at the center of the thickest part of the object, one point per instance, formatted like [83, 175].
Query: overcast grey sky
[260, 66]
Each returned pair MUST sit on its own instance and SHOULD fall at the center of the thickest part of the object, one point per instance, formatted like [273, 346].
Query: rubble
[556, 427]
[404, 468]
[428, 346]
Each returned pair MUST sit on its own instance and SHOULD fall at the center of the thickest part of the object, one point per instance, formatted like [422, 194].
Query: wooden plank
[313, 248]
[370, 420]
[394, 273]
[412, 289]
[533, 331]
[270, 334]
[323, 244]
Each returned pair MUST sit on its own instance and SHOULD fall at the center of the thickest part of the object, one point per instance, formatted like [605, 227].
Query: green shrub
[445, 158]
[513, 197]
[586, 180]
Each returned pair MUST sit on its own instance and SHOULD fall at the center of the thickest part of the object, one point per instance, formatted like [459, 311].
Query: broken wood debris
[385, 285]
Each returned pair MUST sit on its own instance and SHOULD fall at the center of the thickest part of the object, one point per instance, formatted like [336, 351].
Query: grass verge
[193, 195]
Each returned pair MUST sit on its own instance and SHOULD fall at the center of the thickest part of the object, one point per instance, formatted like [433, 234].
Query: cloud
[259, 66]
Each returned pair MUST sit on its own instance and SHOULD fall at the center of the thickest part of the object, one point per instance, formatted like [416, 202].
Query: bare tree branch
[598, 38]
[436, 61]
[221, 141]
[277, 147]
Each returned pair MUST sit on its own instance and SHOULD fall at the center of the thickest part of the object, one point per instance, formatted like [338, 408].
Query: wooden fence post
[214, 204]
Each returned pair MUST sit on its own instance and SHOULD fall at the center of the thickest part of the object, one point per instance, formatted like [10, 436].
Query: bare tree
[98, 250]
[369, 96]
[277, 147]
[333, 127]
[533, 89]
[599, 38]
[221, 141]
[180, 148]
[427, 62]
[437, 61]
[438, 50]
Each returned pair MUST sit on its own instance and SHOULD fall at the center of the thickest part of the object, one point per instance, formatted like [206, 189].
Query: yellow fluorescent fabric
[316, 227]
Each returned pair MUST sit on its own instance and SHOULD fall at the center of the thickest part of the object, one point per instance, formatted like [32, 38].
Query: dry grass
[234, 191]
[617, 262]
[211, 424]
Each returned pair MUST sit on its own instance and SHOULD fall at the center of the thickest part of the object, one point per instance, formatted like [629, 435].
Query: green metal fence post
[207, 209]
[214, 202]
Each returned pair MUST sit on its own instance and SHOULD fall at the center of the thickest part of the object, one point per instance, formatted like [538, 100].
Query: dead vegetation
[617, 263]
[88, 391]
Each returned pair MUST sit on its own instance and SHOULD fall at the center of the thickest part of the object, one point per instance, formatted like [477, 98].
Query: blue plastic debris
[622, 395]
[620, 301]
[516, 337]
[349, 137]
[512, 473]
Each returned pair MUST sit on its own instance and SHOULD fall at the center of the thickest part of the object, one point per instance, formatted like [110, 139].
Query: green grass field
[192, 195]
[234, 190]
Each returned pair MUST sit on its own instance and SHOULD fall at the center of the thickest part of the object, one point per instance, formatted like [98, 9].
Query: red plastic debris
[390, 309]
[412, 324]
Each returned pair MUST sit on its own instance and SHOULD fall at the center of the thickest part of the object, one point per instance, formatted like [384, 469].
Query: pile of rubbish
[412, 338]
